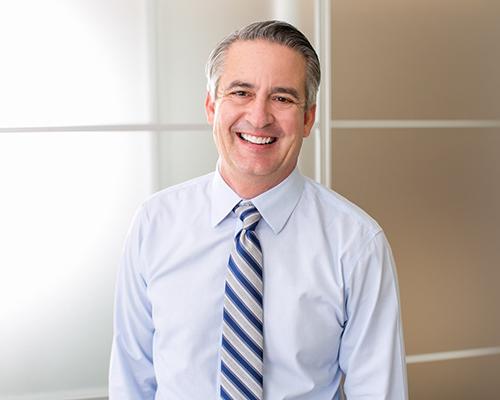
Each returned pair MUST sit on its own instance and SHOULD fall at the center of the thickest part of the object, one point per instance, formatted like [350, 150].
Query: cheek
[293, 126]
[222, 130]
[225, 113]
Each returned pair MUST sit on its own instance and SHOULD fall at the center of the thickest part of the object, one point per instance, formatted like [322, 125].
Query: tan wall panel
[421, 59]
[465, 379]
[437, 195]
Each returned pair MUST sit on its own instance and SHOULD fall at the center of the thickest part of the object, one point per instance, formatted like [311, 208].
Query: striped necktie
[242, 333]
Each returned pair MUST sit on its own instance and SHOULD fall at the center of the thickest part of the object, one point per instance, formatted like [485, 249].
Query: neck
[248, 187]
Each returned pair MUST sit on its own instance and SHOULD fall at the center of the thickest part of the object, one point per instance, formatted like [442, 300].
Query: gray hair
[273, 31]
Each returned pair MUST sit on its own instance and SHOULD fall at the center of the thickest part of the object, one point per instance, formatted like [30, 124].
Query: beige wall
[436, 191]
[416, 59]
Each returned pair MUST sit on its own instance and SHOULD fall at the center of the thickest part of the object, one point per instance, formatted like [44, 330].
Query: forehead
[261, 63]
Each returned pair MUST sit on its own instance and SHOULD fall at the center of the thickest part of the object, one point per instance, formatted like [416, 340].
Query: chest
[303, 298]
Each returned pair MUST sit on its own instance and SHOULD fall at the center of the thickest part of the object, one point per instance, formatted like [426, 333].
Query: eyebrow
[291, 91]
[240, 84]
[278, 89]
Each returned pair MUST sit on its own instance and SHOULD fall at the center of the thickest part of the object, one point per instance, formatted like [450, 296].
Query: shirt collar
[275, 205]
[223, 199]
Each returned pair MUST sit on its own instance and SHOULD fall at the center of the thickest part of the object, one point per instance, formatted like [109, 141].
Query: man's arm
[372, 351]
[131, 374]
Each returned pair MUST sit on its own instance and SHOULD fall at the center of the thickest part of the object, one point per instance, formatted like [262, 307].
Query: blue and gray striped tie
[242, 333]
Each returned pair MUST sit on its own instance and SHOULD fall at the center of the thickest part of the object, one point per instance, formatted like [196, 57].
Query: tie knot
[248, 214]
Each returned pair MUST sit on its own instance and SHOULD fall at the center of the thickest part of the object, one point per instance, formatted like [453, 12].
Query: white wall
[73, 62]
[67, 197]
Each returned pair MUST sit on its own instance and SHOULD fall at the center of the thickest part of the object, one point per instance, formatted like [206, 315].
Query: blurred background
[101, 104]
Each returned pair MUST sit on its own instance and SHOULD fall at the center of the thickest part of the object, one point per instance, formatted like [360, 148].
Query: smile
[256, 139]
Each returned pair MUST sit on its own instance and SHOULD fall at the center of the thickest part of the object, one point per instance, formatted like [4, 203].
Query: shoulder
[191, 193]
[337, 211]
[353, 235]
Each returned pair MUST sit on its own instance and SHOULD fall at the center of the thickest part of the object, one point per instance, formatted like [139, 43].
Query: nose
[259, 112]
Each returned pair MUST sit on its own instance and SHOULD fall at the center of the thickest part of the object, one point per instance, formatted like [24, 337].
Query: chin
[257, 171]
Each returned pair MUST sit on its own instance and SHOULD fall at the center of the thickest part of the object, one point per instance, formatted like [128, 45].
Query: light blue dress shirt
[330, 296]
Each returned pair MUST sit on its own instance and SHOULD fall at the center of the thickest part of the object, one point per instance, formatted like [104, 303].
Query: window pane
[67, 201]
[73, 62]
[185, 155]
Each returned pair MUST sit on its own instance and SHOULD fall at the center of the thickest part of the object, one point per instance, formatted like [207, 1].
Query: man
[255, 282]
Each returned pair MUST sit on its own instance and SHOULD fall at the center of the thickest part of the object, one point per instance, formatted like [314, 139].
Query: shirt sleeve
[372, 353]
[131, 374]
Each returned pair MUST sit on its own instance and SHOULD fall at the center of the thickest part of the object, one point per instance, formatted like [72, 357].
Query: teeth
[256, 139]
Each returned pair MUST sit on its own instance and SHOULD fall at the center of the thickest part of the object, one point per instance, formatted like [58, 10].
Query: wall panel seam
[96, 393]
[452, 355]
[112, 128]
[203, 127]
[416, 123]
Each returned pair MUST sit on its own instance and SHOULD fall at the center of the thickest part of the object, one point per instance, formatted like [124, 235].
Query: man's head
[263, 81]
[273, 31]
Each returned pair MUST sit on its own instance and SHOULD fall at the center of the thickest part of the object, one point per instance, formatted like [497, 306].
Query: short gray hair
[273, 31]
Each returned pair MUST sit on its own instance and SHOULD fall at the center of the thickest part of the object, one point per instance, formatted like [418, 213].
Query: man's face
[258, 115]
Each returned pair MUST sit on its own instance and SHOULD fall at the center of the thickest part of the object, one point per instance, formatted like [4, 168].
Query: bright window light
[67, 200]
[73, 62]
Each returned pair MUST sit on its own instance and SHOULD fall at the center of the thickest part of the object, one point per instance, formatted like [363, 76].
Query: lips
[260, 140]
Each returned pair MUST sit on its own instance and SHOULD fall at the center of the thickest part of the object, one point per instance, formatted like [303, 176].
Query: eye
[283, 99]
[240, 93]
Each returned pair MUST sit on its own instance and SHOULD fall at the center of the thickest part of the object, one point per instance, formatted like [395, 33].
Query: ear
[209, 108]
[309, 118]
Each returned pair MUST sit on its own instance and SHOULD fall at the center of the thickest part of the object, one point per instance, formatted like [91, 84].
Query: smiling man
[260, 115]
[254, 282]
